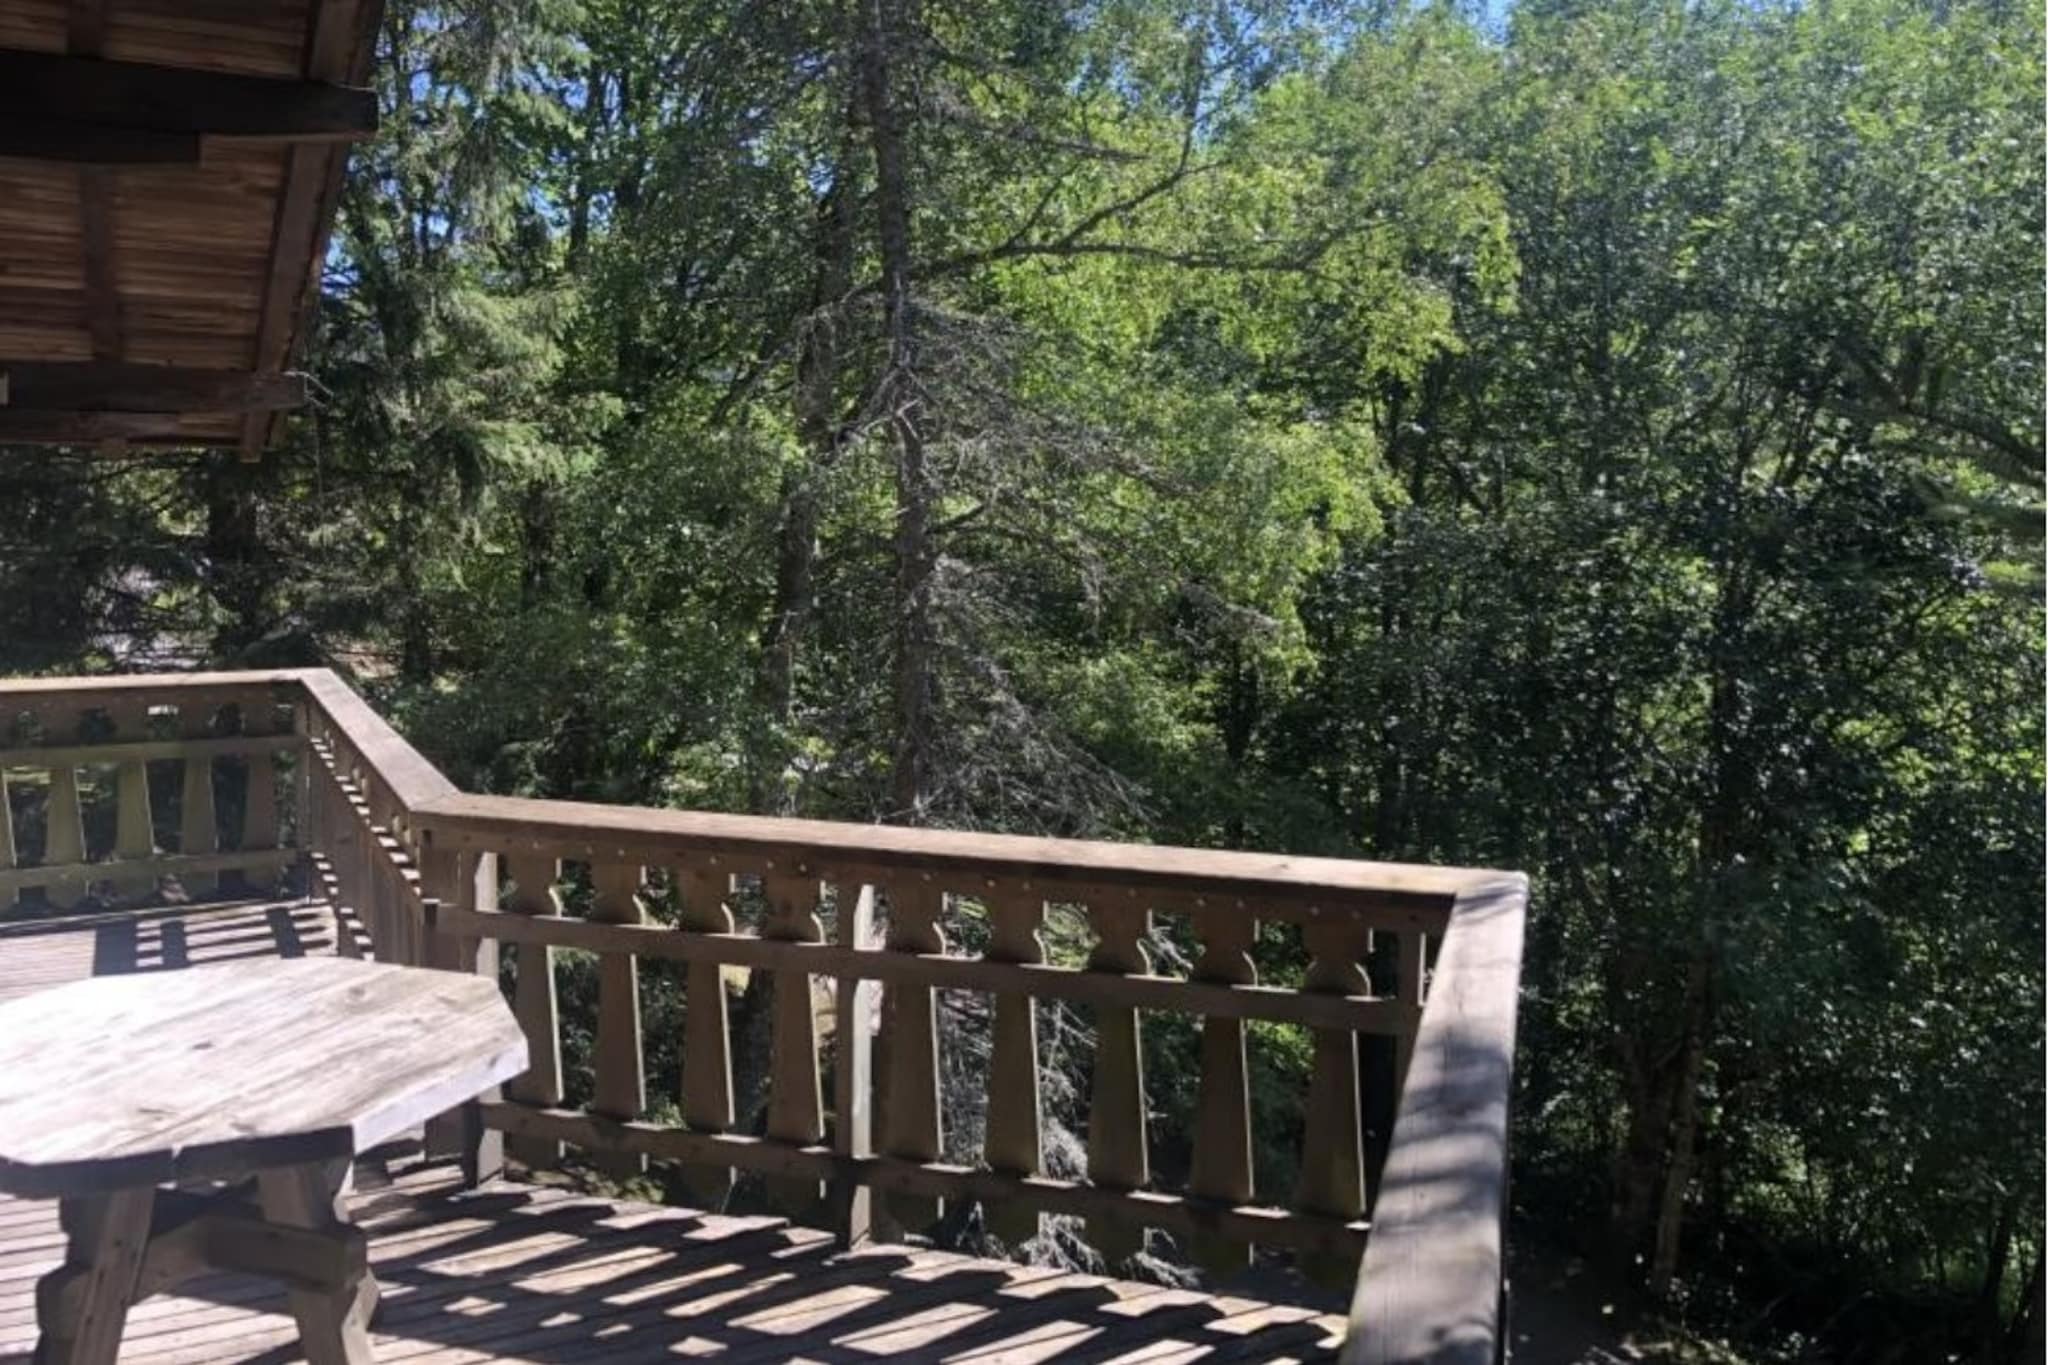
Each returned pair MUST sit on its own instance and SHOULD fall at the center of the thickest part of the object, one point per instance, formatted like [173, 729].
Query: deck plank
[515, 1272]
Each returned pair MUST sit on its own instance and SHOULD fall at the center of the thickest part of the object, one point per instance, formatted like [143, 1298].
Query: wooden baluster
[1333, 1148]
[707, 1034]
[198, 829]
[796, 1102]
[1117, 1156]
[305, 790]
[476, 888]
[533, 1001]
[620, 1085]
[1411, 974]
[9, 857]
[1014, 1144]
[259, 803]
[1222, 1167]
[911, 1126]
[64, 837]
[134, 834]
[853, 1090]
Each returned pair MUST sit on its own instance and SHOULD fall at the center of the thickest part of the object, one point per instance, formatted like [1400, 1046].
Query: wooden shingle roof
[168, 175]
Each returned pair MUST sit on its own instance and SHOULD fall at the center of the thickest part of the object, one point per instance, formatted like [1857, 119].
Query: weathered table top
[218, 1071]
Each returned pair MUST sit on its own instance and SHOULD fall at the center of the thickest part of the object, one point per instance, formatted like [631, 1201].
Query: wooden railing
[434, 877]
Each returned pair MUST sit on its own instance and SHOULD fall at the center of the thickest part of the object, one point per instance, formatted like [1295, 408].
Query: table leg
[334, 1324]
[106, 1236]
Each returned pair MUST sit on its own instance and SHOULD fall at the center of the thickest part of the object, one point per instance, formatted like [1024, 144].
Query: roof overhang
[169, 171]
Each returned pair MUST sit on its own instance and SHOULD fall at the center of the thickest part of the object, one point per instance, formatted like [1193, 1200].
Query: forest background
[1603, 439]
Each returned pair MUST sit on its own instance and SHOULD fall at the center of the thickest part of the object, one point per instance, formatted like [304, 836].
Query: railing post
[912, 1127]
[533, 1001]
[1222, 1168]
[853, 1072]
[198, 825]
[1333, 1146]
[1117, 1155]
[796, 1103]
[134, 835]
[621, 1081]
[1014, 1144]
[707, 1032]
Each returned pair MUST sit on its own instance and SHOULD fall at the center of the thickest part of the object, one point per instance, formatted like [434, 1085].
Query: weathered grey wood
[707, 1032]
[1222, 1166]
[76, 875]
[1429, 1288]
[1177, 1213]
[1180, 880]
[911, 1119]
[134, 833]
[8, 856]
[1333, 1145]
[1014, 1143]
[533, 1001]
[334, 1323]
[853, 1071]
[131, 751]
[198, 827]
[221, 1069]
[1117, 1149]
[63, 843]
[990, 973]
[620, 1084]
[108, 1240]
[259, 805]
[1413, 972]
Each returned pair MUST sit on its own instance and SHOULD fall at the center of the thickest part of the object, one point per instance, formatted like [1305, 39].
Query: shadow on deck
[514, 1272]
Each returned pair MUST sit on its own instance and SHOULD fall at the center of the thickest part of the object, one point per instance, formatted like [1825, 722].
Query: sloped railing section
[292, 767]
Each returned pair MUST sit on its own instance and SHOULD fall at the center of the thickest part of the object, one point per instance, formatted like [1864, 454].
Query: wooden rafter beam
[338, 49]
[93, 144]
[110, 386]
[85, 34]
[74, 88]
[86, 428]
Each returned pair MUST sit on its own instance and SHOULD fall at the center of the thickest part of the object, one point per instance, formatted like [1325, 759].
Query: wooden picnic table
[208, 1119]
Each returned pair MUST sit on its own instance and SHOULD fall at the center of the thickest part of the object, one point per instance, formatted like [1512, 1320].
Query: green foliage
[1609, 446]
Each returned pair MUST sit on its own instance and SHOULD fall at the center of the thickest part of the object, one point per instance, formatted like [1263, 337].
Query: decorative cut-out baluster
[707, 1034]
[1333, 1149]
[134, 835]
[259, 808]
[9, 858]
[476, 888]
[1014, 1144]
[796, 1101]
[1222, 1168]
[620, 1085]
[64, 837]
[533, 1001]
[1413, 972]
[853, 1082]
[910, 1029]
[198, 827]
[1117, 1157]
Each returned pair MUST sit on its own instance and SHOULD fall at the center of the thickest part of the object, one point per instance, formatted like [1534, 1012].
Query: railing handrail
[1428, 1287]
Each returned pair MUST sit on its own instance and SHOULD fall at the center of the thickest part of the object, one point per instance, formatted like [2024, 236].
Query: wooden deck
[516, 1272]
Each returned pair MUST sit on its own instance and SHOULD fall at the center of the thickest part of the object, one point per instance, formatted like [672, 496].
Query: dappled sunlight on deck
[520, 1272]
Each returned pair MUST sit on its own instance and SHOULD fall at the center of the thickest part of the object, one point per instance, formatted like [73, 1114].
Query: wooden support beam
[44, 139]
[168, 99]
[339, 51]
[111, 386]
[86, 428]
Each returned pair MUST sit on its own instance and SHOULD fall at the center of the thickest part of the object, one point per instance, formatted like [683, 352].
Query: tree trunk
[1678, 1169]
[916, 635]
[820, 362]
